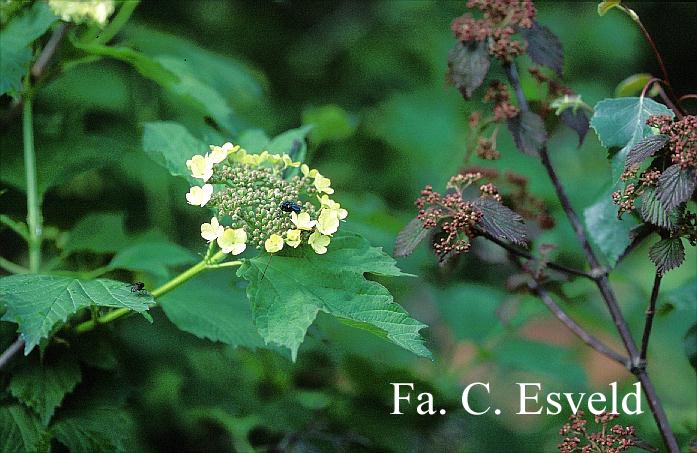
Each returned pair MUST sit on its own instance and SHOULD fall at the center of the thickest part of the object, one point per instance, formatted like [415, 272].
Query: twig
[666, 80]
[49, 50]
[38, 69]
[10, 352]
[536, 288]
[524, 254]
[650, 311]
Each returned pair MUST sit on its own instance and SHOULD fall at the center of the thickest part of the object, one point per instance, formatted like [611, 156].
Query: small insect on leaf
[137, 287]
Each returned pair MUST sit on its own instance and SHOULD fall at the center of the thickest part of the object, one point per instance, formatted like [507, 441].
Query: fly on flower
[290, 206]
[251, 199]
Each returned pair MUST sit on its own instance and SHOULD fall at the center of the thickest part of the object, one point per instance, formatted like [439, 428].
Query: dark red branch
[650, 311]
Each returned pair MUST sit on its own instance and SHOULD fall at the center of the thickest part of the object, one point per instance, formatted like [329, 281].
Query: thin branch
[38, 69]
[10, 352]
[49, 50]
[659, 414]
[572, 325]
[524, 254]
[650, 311]
[536, 288]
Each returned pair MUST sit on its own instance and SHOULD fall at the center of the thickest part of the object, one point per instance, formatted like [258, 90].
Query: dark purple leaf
[544, 47]
[644, 148]
[410, 237]
[652, 211]
[578, 121]
[528, 131]
[667, 254]
[468, 65]
[500, 222]
[675, 186]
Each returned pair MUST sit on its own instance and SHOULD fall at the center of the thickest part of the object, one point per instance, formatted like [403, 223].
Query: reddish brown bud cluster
[497, 93]
[490, 190]
[578, 437]
[486, 149]
[517, 196]
[682, 138]
[500, 20]
[455, 216]
[625, 199]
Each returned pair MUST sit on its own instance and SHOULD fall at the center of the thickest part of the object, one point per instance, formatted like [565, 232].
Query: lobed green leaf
[15, 51]
[39, 302]
[170, 144]
[210, 307]
[21, 431]
[95, 428]
[667, 254]
[43, 384]
[288, 290]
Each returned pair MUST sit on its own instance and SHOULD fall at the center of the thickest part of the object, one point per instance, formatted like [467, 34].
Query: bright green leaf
[622, 123]
[607, 5]
[209, 307]
[100, 232]
[607, 232]
[289, 290]
[254, 140]
[171, 145]
[632, 85]
[61, 160]
[38, 302]
[95, 428]
[42, 384]
[331, 123]
[21, 431]
[15, 51]
[291, 142]
[154, 257]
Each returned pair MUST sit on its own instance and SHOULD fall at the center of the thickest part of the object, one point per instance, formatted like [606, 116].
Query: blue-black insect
[290, 206]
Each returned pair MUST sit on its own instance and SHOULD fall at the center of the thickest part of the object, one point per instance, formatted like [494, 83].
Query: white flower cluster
[265, 170]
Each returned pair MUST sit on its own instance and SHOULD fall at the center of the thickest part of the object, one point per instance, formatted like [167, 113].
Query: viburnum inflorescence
[579, 437]
[257, 205]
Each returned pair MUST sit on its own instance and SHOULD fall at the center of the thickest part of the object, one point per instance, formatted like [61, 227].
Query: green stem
[212, 263]
[11, 267]
[117, 22]
[33, 198]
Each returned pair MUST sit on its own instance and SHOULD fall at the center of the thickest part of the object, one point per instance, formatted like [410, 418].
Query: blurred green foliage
[369, 76]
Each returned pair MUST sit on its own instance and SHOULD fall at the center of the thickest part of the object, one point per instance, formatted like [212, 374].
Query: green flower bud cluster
[251, 198]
